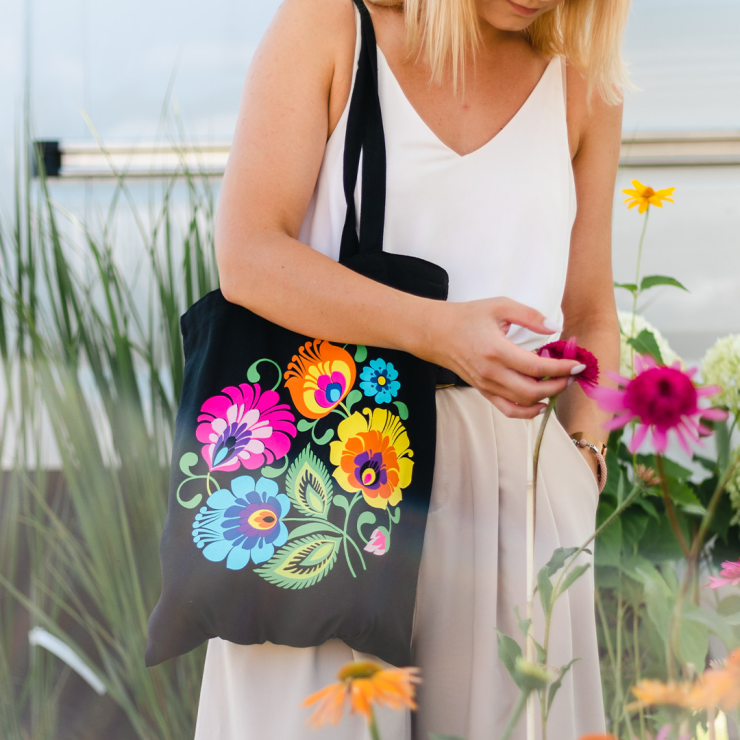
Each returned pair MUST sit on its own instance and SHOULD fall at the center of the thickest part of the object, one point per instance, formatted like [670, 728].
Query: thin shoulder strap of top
[364, 135]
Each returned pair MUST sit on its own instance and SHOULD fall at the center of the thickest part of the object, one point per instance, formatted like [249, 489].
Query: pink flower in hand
[377, 544]
[662, 399]
[728, 576]
[569, 350]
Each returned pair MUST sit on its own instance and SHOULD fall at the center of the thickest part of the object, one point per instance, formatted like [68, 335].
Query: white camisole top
[497, 219]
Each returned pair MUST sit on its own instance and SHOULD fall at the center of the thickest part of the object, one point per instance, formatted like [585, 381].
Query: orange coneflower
[718, 687]
[365, 684]
[645, 196]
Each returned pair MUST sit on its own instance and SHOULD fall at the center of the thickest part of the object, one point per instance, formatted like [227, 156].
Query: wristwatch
[583, 439]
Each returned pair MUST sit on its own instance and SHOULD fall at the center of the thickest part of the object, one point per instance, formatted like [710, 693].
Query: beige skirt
[472, 575]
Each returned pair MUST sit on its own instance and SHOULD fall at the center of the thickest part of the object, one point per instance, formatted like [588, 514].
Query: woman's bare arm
[589, 308]
[289, 99]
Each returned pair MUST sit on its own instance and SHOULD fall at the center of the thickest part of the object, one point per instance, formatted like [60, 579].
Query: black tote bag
[302, 469]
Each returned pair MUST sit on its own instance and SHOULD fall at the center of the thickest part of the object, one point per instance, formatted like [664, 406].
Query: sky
[115, 60]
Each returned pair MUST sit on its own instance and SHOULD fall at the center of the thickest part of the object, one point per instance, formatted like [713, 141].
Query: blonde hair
[587, 32]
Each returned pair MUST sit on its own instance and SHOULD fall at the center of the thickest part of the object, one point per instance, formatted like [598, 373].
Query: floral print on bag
[293, 517]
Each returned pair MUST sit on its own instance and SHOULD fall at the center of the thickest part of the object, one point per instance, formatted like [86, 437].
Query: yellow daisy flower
[645, 196]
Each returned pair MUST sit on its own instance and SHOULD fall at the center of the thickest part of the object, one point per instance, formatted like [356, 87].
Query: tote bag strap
[364, 134]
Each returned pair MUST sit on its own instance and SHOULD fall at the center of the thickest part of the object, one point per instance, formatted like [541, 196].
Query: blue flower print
[242, 524]
[379, 381]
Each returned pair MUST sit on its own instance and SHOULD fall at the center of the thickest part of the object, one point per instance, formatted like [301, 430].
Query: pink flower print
[378, 543]
[728, 576]
[243, 426]
[662, 399]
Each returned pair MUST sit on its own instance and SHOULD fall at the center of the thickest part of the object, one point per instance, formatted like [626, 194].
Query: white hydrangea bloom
[721, 366]
[733, 488]
[625, 324]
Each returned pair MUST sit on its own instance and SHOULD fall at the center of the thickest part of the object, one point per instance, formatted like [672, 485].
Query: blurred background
[116, 62]
[95, 271]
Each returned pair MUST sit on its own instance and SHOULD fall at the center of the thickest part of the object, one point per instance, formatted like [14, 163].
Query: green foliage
[309, 485]
[303, 562]
[94, 371]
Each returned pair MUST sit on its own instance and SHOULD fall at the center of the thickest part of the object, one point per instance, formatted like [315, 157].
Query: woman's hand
[470, 339]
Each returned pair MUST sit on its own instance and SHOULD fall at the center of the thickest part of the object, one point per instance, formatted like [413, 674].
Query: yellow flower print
[373, 457]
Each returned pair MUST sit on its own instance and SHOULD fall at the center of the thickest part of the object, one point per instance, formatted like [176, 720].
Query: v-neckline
[490, 141]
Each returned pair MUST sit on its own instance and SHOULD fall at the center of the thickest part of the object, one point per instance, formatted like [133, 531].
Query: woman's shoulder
[323, 33]
[587, 111]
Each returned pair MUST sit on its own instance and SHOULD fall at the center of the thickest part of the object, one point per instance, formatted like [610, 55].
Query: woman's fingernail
[570, 380]
[552, 326]
[579, 368]
[542, 410]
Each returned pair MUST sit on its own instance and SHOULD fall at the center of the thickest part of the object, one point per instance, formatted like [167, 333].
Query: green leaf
[360, 353]
[558, 558]
[523, 623]
[304, 425]
[367, 517]
[253, 375]
[341, 501]
[274, 471]
[609, 543]
[403, 411]
[394, 514]
[508, 652]
[645, 344]
[309, 485]
[325, 438]
[352, 398]
[557, 683]
[683, 495]
[309, 528]
[187, 461]
[647, 505]
[693, 643]
[705, 462]
[302, 563]
[627, 286]
[544, 587]
[650, 281]
[572, 577]
[671, 468]
[716, 623]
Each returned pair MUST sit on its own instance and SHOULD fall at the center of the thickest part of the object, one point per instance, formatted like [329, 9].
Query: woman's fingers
[508, 311]
[529, 363]
[522, 389]
[513, 410]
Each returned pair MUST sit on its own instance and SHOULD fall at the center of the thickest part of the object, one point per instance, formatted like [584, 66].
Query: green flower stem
[713, 503]
[637, 283]
[521, 703]
[670, 509]
[692, 559]
[638, 667]
[346, 536]
[372, 726]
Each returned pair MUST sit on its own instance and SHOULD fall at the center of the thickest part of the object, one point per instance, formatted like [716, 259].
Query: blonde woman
[502, 130]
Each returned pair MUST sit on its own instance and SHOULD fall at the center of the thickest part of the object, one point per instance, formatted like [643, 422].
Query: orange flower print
[319, 378]
[373, 457]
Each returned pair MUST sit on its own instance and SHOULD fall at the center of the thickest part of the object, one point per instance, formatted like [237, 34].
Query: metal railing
[77, 160]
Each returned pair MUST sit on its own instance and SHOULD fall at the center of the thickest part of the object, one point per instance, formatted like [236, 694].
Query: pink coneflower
[728, 576]
[569, 350]
[662, 398]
